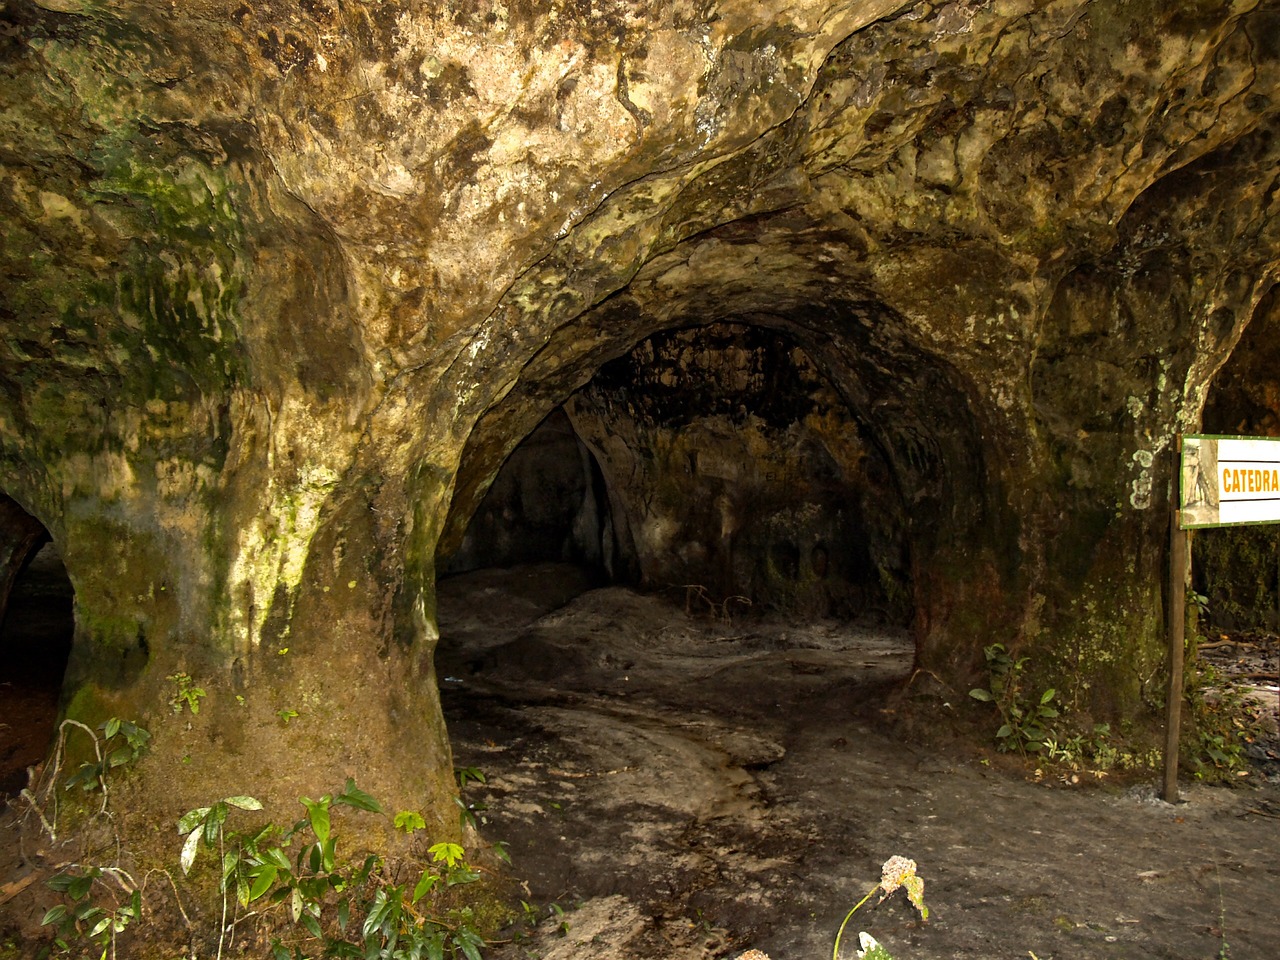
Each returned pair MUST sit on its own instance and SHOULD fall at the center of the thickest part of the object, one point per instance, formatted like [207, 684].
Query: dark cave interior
[36, 628]
[715, 458]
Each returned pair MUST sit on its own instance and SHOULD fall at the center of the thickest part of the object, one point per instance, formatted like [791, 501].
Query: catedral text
[1250, 480]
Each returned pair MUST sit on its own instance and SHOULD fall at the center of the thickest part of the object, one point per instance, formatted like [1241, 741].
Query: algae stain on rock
[271, 553]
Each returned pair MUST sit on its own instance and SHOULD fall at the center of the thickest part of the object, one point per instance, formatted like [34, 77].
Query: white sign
[1229, 480]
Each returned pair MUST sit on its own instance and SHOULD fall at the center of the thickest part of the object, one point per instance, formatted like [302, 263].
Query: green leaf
[318, 814]
[244, 803]
[262, 883]
[86, 911]
[377, 913]
[213, 823]
[80, 886]
[424, 886]
[111, 727]
[979, 694]
[230, 860]
[409, 821]
[313, 926]
[277, 857]
[460, 875]
[119, 757]
[192, 819]
[353, 796]
[469, 942]
[60, 882]
[54, 915]
[371, 861]
[1047, 695]
[344, 915]
[450, 853]
[189, 851]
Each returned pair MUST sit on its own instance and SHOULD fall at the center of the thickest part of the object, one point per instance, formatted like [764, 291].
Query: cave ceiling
[275, 243]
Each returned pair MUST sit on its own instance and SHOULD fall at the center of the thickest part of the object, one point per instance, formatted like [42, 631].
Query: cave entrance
[547, 504]
[36, 628]
[717, 464]
[1238, 568]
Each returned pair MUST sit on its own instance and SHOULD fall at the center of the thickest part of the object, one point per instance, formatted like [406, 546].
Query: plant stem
[835, 951]
[222, 930]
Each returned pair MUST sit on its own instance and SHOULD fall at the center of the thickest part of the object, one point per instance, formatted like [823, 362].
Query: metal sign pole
[1177, 625]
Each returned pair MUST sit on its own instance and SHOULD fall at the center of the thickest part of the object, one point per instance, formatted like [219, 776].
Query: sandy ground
[684, 787]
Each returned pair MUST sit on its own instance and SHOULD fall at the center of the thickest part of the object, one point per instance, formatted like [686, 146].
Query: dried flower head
[901, 872]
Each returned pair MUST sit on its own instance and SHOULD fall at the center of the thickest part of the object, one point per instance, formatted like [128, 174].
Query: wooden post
[1177, 629]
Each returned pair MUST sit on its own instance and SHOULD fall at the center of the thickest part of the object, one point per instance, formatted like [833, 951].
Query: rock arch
[271, 309]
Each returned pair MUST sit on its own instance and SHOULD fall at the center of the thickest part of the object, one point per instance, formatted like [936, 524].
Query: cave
[845, 343]
[36, 625]
[715, 462]
[548, 502]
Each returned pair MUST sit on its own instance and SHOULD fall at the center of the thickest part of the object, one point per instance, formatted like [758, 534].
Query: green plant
[1226, 722]
[469, 814]
[410, 821]
[533, 916]
[1094, 753]
[116, 742]
[896, 873]
[207, 823]
[187, 693]
[122, 742]
[1023, 720]
[327, 896]
[85, 918]
[286, 715]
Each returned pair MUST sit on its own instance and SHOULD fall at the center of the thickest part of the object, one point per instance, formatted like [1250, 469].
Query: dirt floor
[684, 787]
[675, 785]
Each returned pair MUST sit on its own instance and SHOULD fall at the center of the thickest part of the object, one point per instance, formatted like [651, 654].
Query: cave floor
[680, 786]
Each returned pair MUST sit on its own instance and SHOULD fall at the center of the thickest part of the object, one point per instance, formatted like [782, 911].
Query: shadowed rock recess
[839, 307]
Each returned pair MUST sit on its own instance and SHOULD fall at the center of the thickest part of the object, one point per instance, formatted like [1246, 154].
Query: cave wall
[282, 286]
[740, 472]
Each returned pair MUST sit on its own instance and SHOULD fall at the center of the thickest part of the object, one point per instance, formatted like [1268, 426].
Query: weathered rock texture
[283, 284]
